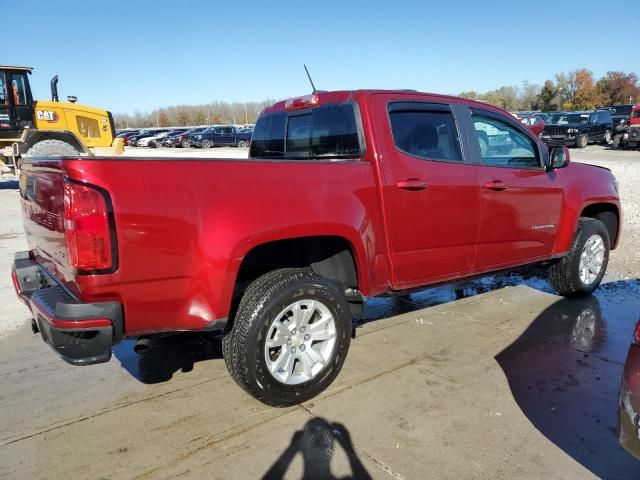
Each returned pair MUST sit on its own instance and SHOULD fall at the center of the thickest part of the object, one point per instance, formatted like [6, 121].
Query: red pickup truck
[345, 195]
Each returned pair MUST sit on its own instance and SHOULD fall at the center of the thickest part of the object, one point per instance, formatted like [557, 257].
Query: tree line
[574, 90]
[214, 113]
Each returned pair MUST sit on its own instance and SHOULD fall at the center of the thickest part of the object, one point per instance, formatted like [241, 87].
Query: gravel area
[625, 164]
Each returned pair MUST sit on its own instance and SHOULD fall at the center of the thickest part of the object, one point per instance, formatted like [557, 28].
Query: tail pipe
[142, 345]
[54, 89]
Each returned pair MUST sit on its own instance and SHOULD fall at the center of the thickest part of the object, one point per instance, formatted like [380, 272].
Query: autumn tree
[618, 88]
[182, 118]
[163, 119]
[199, 118]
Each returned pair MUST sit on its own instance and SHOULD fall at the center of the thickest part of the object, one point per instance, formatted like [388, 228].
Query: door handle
[412, 184]
[497, 185]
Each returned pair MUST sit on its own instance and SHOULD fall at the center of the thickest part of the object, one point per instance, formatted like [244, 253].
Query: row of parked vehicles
[618, 126]
[200, 137]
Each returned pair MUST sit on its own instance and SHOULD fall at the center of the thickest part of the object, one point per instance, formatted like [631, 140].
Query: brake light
[86, 228]
[302, 102]
[636, 334]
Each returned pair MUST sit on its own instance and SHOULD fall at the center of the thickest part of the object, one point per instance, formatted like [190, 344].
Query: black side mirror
[559, 157]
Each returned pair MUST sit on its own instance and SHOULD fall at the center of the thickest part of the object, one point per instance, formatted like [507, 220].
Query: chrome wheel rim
[591, 259]
[300, 342]
[607, 136]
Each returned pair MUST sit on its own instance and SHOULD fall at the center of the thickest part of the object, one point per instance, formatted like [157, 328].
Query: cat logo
[47, 116]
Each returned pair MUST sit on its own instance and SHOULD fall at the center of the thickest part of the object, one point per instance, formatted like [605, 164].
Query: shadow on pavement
[565, 370]
[316, 442]
[168, 354]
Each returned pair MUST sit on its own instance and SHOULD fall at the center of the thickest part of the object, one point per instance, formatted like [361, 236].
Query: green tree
[547, 97]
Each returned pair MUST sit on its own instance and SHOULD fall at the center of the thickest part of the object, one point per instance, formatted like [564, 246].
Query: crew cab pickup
[345, 195]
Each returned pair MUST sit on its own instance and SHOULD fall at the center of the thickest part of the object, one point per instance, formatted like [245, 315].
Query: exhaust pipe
[142, 345]
[54, 89]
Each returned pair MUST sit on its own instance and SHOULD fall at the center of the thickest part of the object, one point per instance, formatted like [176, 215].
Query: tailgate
[65, 243]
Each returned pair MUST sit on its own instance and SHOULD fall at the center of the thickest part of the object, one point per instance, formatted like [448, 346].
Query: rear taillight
[86, 228]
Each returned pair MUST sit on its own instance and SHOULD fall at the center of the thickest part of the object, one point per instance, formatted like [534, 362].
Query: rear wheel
[582, 141]
[52, 148]
[581, 271]
[243, 144]
[617, 141]
[290, 337]
[607, 137]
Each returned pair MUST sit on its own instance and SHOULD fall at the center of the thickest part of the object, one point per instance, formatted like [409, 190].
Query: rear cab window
[425, 130]
[324, 132]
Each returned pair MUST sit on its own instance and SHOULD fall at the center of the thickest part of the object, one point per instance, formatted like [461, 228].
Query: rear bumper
[81, 333]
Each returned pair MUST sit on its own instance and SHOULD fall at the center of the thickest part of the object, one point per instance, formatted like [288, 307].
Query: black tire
[264, 299]
[582, 141]
[52, 148]
[186, 144]
[565, 276]
[206, 143]
[607, 138]
[243, 144]
[617, 140]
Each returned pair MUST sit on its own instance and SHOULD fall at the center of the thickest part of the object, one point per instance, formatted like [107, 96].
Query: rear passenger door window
[504, 145]
[424, 131]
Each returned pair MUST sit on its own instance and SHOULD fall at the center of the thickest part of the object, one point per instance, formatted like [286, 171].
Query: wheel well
[36, 136]
[328, 256]
[607, 214]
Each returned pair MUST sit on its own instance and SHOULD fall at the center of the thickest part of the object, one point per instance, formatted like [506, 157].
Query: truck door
[520, 200]
[430, 189]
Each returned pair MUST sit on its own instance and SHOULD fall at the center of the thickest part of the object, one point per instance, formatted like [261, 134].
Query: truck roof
[9, 67]
[338, 96]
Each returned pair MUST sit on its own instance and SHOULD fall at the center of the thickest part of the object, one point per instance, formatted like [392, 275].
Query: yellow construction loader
[49, 128]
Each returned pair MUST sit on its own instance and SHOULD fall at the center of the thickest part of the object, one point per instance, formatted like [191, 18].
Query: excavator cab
[42, 128]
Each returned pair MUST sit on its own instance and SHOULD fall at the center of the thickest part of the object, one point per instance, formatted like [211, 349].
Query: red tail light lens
[86, 228]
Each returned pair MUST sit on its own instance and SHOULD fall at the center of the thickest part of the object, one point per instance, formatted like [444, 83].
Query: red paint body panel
[184, 225]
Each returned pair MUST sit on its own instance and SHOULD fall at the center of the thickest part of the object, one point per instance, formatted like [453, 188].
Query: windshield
[324, 132]
[567, 118]
[621, 110]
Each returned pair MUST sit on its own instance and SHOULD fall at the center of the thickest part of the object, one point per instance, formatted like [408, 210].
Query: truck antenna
[310, 81]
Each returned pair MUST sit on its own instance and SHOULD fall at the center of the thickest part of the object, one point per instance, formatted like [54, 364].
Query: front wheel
[582, 141]
[186, 144]
[581, 271]
[206, 144]
[243, 144]
[616, 142]
[290, 337]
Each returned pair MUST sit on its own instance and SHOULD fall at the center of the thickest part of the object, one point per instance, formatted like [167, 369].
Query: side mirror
[560, 157]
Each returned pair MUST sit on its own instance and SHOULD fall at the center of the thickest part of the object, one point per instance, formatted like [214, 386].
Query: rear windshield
[324, 132]
[621, 110]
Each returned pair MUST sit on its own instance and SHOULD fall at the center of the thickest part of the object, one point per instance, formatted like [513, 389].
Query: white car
[152, 141]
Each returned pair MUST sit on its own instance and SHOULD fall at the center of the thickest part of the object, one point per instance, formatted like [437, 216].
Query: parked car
[534, 122]
[182, 139]
[127, 135]
[627, 127]
[158, 137]
[281, 250]
[221, 136]
[578, 128]
[134, 139]
[629, 403]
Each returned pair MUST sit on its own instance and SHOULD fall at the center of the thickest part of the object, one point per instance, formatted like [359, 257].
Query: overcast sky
[126, 56]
